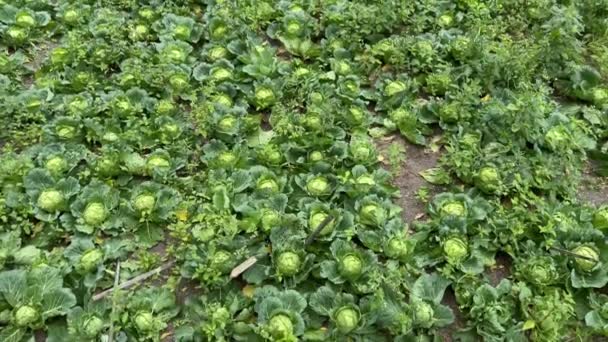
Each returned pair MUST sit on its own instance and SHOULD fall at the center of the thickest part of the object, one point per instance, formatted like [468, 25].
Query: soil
[593, 189]
[35, 61]
[447, 333]
[408, 179]
[501, 270]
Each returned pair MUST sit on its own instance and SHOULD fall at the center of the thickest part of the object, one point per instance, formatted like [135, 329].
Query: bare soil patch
[593, 189]
[408, 179]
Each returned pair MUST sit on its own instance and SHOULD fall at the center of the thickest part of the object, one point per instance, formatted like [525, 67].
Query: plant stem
[316, 232]
[133, 281]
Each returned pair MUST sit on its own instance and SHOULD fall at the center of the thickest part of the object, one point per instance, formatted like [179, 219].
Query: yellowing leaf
[248, 291]
[529, 324]
[182, 214]
[436, 175]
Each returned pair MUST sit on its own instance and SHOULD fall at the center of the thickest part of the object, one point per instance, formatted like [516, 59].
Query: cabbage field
[303, 170]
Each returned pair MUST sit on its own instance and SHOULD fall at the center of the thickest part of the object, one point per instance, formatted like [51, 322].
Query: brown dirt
[449, 299]
[185, 289]
[593, 189]
[501, 270]
[408, 180]
[36, 60]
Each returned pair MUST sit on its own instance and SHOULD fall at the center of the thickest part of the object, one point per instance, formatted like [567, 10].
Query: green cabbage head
[227, 123]
[221, 314]
[423, 313]
[280, 326]
[71, 16]
[270, 218]
[165, 106]
[316, 97]
[264, 97]
[221, 74]
[396, 248]
[178, 81]
[110, 137]
[351, 266]
[394, 87]
[356, 114]
[175, 54]
[301, 71]
[362, 152]
[274, 157]
[455, 249]
[221, 260]
[268, 184]
[95, 214]
[107, 166]
[223, 99]
[226, 159]
[342, 67]
[316, 218]
[288, 263]
[56, 165]
[453, 208]
[586, 265]
[217, 53]
[26, 315]
[17, 34]
[450, 113]
[488, 179]
[270, 154]
[219, 31]
[365, 180]
[66, 132]
[145, 322]
[25, 20]
[181, 32]
[313, 122]
[600, 218]
[93, 326]
[158, 162]
[347, 319]
[140, 31]
[144, 202]
[146, 13]
[293, 28]
[50, 200]
[446, 20]
[599, 96]
[318, 186]
[372, 213]
[461, 47]
[171, 129]
[557, 137]
[540, 271]
[90, 259]
[315, 156]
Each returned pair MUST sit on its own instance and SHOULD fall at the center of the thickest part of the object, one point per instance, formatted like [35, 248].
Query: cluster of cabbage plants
[240, 143]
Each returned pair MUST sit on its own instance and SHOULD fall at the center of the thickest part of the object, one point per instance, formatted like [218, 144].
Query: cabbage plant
[49, 196]
[148, 311]
[351, 266]
[93, 208]
[345, 316]
[33, 297]
[279, 313]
